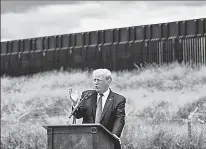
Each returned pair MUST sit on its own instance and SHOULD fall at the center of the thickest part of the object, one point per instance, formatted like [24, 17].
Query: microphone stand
[74, 120]
[78, 105]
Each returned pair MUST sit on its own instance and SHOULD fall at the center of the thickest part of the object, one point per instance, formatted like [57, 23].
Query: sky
[31, 19]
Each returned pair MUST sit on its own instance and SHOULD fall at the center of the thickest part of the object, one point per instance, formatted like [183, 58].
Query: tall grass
[158, 101]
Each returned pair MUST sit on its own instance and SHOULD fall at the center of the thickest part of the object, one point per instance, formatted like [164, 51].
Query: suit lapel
[94, 103]
[107, 104]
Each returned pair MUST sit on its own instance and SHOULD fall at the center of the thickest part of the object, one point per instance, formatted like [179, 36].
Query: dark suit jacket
[113, 115]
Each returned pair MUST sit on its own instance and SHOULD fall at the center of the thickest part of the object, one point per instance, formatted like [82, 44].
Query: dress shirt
[104, 98]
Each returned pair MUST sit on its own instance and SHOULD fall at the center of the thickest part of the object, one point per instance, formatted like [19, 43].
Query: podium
[84, 136]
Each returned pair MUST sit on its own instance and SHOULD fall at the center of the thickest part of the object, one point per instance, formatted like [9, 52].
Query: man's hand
[73, 96]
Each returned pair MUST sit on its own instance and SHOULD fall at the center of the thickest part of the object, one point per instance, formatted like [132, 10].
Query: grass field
[158, 101]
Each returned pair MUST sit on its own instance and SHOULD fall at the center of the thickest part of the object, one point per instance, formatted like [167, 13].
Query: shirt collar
[106, 94]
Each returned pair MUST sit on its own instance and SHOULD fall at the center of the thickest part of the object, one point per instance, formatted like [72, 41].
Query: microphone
[88, 95]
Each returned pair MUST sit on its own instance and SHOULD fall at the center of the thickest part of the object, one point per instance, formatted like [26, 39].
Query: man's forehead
[98, 76]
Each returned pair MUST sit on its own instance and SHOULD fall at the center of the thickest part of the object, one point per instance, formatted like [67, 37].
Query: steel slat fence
[115, 49]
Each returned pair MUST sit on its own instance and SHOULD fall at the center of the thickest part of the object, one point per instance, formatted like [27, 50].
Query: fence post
[174, 49]
[189, 122]
[189, 132]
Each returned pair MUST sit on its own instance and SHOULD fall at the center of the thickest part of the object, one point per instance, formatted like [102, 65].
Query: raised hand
[73, 95]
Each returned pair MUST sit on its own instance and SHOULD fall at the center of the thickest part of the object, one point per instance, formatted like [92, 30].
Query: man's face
[100, 83]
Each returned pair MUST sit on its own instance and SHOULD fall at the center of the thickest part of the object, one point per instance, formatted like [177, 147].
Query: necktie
[99, 109]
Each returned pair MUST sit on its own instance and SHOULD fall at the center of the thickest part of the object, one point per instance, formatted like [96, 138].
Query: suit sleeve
[120, 118]
[80, 111]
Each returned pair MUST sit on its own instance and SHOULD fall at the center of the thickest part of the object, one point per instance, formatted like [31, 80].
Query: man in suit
[104, 106]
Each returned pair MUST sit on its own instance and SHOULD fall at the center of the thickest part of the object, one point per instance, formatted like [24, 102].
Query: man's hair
[103, 72]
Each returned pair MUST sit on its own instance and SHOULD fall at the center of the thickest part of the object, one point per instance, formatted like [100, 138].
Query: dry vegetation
[158, 101]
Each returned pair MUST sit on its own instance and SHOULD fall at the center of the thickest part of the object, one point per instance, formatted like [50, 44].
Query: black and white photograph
[103, 74]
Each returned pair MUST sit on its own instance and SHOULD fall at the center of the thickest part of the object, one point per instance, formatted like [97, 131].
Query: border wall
[115, 49]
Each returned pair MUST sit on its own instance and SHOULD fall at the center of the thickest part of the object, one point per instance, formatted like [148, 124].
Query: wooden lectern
[84, 136]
